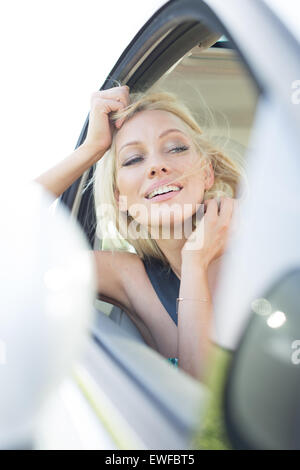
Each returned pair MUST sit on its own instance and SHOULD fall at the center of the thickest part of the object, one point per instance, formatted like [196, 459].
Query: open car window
[218, 89]
[196, 51]
[208, 75]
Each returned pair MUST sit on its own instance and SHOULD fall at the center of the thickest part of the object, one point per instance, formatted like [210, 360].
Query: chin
[168, 217]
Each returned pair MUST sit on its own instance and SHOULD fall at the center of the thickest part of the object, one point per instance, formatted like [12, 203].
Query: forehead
[146, 125]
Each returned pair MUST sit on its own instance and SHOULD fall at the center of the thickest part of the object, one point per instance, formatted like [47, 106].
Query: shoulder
[115, 272]
[117, 259]
[131, 272]
[125, 264]
[130, 285]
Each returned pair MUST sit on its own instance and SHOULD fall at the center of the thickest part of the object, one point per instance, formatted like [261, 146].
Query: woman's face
[153, 150]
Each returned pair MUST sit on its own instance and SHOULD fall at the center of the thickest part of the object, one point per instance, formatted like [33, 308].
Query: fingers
[116, 94]
[113, 99]
[222, 211]
[107, 106]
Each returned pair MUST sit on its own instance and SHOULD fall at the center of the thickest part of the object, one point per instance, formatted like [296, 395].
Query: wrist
[91, 152]
[191, 260]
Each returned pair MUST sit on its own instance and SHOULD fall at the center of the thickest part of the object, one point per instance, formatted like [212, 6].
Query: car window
[217, 87]
[212, 80]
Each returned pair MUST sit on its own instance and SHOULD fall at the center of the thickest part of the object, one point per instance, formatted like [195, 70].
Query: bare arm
[109, 269]
[112, 270]
[98, 140]
[61, 176]
[194, 320]
[195, 312]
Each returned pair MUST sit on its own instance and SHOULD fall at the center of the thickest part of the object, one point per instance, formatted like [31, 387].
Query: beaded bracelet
[187, 298]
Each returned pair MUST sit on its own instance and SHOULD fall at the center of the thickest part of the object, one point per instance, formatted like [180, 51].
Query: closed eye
[178, 149]
[132, 160]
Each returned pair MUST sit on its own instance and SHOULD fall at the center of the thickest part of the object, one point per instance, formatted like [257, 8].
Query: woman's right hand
[99, 135]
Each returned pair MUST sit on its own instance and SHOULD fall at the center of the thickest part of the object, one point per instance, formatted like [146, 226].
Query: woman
[157, 173]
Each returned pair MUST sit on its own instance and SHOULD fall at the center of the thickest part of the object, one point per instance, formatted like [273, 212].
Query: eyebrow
[136, 142]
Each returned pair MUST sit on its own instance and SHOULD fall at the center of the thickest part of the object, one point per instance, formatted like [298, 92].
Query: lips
[160, 184]
[164, 196]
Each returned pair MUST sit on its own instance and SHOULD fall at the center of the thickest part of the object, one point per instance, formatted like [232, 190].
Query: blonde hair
[227, 174]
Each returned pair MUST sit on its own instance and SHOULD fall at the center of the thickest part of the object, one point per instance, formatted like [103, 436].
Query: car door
[154, 405]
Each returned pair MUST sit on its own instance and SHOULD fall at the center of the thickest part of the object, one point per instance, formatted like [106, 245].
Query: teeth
[162, 190]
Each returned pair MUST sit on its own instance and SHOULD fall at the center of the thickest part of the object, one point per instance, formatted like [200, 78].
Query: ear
[210, 176]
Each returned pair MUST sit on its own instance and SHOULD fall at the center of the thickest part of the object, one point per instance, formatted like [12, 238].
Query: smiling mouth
[163, 191]
[165, 195]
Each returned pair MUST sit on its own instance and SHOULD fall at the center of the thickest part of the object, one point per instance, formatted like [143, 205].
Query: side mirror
[262, 406]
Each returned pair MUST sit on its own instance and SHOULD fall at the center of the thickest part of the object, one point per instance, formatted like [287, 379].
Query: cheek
[192, 168]
[195, 190]
[126, 184]
[122, 182]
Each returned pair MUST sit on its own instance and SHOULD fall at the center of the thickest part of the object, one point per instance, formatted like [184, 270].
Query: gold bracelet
[187, 298]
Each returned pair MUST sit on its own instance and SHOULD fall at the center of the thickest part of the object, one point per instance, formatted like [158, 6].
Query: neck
[172, 251]
[171, 248]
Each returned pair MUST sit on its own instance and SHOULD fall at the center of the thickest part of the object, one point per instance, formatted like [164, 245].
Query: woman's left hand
[208, 241]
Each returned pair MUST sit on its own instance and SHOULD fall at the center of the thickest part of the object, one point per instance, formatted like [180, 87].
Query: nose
[158, 170]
